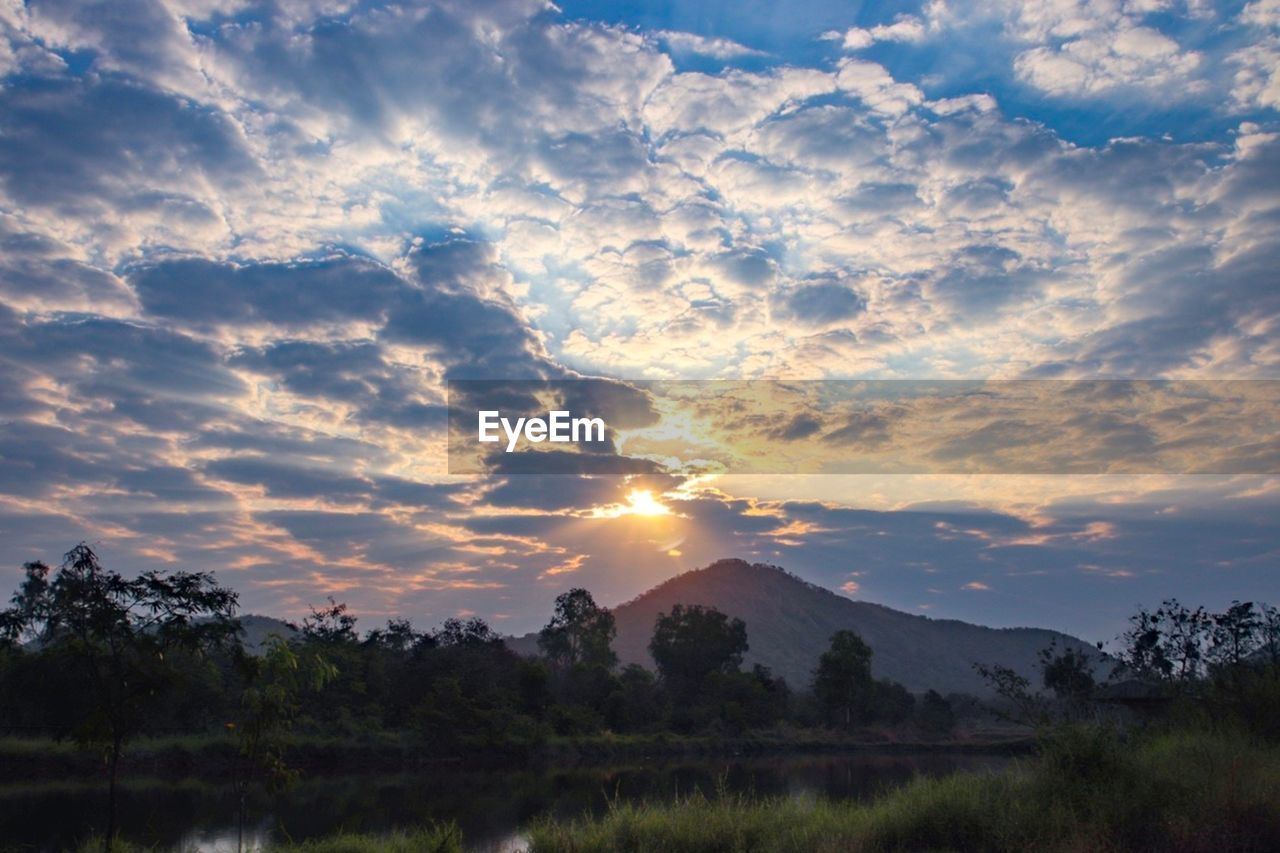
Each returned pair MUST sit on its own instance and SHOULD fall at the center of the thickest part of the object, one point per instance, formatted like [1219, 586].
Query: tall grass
[1087, 791]
[444, 838]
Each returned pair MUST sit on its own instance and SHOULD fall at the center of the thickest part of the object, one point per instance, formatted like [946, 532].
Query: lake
[490, 805]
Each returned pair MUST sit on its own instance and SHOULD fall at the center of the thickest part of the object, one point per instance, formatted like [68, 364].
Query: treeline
[1174, 664]
[92, 655]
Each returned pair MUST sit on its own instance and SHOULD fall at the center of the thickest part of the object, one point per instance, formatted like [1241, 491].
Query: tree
[1269, 634]
[123, 635]
[842, 682]
[637, 703]
[398, 638]
[936, 715]
[890, 702]
[694, 642]
[1021, 705]
[1167, 645]
[1235, 634]
[275, 682]
[1069, 673]
[469, 633]
[1185, 633]
[580, 632]
[331, 625]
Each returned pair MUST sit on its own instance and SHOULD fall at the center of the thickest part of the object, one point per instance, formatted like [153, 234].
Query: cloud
[822, 302]
[1097, 61]
[340, 289]
[905, 28]
[242, 249]
[716, 48]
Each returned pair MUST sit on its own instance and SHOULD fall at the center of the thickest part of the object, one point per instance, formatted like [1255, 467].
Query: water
[490, 805]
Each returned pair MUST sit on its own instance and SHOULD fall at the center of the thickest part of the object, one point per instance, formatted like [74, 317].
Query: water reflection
[490, 805]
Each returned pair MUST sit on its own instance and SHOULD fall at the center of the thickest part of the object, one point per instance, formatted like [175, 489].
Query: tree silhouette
[1068, 673]
[125, 635]
[580, 632]
[693, 643]
[842, 683]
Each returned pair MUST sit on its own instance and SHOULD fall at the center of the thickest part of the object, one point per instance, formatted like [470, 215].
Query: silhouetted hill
[256, 629]
[790, 622]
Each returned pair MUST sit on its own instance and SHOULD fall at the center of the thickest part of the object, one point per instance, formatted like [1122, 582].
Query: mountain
[790, 622]
[255, 630]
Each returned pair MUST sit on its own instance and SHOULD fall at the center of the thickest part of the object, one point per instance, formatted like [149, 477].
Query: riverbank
[1088, 790]
[211, 756]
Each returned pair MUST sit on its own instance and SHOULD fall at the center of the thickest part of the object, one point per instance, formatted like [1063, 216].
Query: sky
[243, 246]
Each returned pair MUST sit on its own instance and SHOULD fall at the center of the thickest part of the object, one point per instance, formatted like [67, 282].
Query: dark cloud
[74, 144]
[289, 480]
[558, 462]
[600, 160]
[982, 280]
[356, 373]
[869, 429]
[401, 492]
[979, 196]
[822, 302]
[474, 333]
[160, 379]
[36, 268]
[339, 290]
[825, 135]
[882, 199]
[799, 427]
[747, 266]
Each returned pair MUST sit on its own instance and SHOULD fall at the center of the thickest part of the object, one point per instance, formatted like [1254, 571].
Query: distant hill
[256, 629]
[790, 621]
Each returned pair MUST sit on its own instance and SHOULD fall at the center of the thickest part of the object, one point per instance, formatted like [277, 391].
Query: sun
[642, 502]
[639, 502]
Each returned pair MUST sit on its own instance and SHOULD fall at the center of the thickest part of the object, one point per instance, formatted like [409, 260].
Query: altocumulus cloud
[244, 245]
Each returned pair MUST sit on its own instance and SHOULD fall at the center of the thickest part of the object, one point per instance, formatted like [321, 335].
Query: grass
[1088, 791]
[445, 838]
[788, 739]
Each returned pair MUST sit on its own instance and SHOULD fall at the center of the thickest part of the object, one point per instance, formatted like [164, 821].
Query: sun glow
[642, 502]
[639, 502]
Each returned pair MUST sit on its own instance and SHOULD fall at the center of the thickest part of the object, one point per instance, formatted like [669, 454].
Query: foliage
[694, 642]
[275, 684]
[131, 639]
[1185, 646]
[843, 681]
[580, 633]
[444, 838]
[1022, 706]
[936, 715]
[1068, 674]
[466, 634]
[1087, 791]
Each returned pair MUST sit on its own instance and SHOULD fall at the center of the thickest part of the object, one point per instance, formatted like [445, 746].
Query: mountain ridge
[790, 622]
